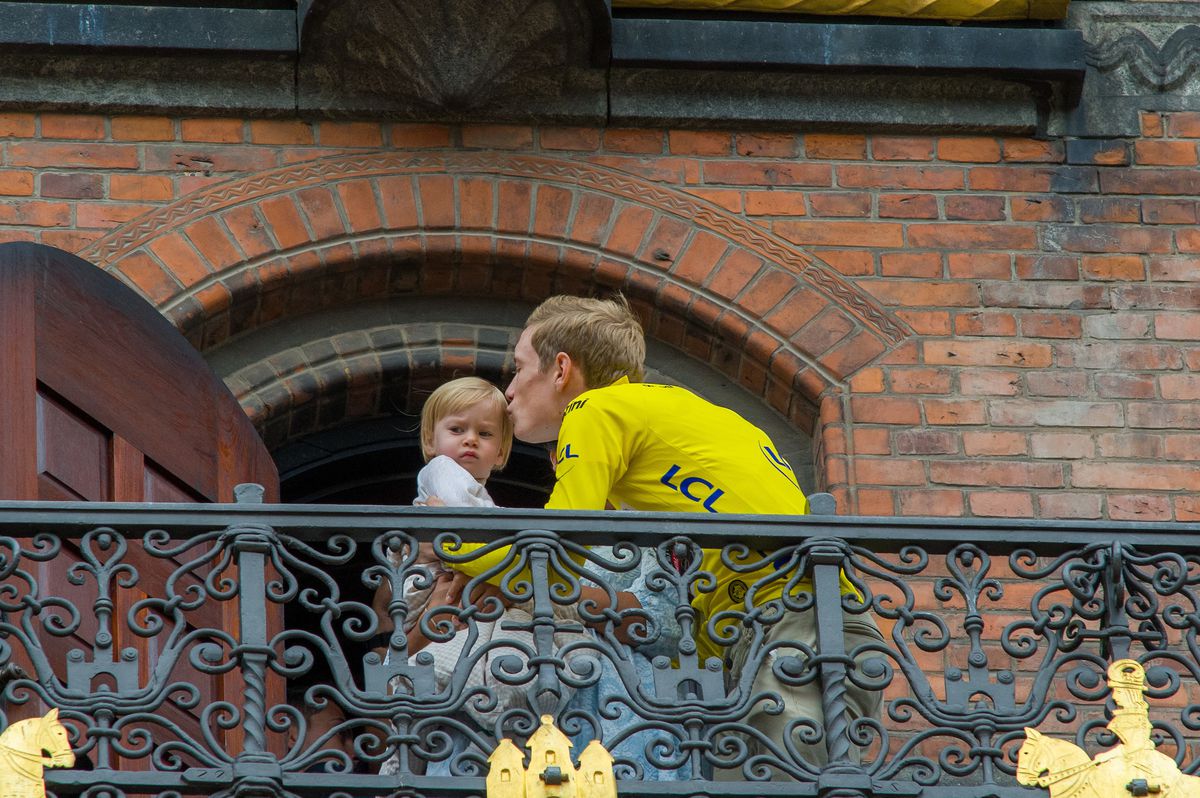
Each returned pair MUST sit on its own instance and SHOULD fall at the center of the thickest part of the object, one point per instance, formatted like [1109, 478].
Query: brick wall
[1048, 290]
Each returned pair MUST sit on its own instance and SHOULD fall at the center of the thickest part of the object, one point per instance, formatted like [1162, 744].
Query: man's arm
[590, 459]
[593, 454]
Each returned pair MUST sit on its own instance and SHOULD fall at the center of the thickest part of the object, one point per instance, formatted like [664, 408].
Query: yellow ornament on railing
[21, 757]
[1132, 768]
[550, 773]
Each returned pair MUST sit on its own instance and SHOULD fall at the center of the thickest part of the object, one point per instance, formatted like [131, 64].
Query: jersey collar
[617, 381]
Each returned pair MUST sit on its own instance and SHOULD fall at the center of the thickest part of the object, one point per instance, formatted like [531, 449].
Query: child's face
[471, 438]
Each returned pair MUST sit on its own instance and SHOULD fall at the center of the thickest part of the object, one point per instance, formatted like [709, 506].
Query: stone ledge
[1050, 54]
[107, 26]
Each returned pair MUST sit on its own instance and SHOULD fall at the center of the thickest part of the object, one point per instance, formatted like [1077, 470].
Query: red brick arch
[328, 378]
[775, 319]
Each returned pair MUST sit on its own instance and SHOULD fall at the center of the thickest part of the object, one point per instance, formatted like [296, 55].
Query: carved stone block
[1140, 57]
[473, 59]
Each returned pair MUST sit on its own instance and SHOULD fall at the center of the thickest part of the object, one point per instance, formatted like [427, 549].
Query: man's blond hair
[455, 397]
[602, 336]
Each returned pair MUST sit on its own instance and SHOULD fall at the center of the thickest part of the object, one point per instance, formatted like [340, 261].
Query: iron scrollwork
[176, 670]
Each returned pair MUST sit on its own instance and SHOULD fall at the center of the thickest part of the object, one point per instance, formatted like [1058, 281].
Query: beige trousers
[803, 701]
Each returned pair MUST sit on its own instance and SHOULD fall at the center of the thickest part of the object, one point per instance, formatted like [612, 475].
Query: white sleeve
[450, 482]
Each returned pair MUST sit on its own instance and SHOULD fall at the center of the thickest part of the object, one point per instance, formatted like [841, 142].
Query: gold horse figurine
[26, 747]
[1131, 768]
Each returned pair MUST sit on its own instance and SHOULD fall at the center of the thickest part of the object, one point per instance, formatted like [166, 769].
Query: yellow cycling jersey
[661, 447]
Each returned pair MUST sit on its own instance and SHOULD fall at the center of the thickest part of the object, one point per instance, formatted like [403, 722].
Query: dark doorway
[375, 461]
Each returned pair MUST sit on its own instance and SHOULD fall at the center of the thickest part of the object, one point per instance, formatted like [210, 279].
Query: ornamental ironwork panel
[724, 655]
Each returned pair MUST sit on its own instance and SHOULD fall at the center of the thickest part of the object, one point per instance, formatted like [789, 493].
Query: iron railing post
[1117, 644]
[547, 691]
[256, 771]
[841, 776]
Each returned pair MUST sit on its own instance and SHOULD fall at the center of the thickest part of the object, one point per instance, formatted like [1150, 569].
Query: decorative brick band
[385, 370]
[575, 175]
[684, 241]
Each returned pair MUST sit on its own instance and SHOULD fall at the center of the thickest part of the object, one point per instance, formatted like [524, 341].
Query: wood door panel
[18, 386]
[102, 399]
[50, 489]
[98, 349]
[158, 486]
[130, 369]
[72, 450]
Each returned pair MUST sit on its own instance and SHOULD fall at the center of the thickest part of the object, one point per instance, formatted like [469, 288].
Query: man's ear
[564, 370]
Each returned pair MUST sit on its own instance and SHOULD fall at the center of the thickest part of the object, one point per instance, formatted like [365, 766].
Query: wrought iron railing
[214, 649]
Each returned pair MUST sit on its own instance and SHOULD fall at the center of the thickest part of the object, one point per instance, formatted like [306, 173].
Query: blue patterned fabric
[659, 606]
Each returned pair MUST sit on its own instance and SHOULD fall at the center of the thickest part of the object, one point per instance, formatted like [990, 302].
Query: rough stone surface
[1141, 57]
[125, 82]
[691, 97]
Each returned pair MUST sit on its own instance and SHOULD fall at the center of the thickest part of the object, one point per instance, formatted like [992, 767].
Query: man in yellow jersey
[624, 443]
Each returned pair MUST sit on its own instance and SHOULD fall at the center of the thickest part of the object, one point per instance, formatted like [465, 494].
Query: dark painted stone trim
[1050, 54]
[98, 25]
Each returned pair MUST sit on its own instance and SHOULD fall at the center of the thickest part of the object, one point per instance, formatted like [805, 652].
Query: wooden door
[101, 399]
